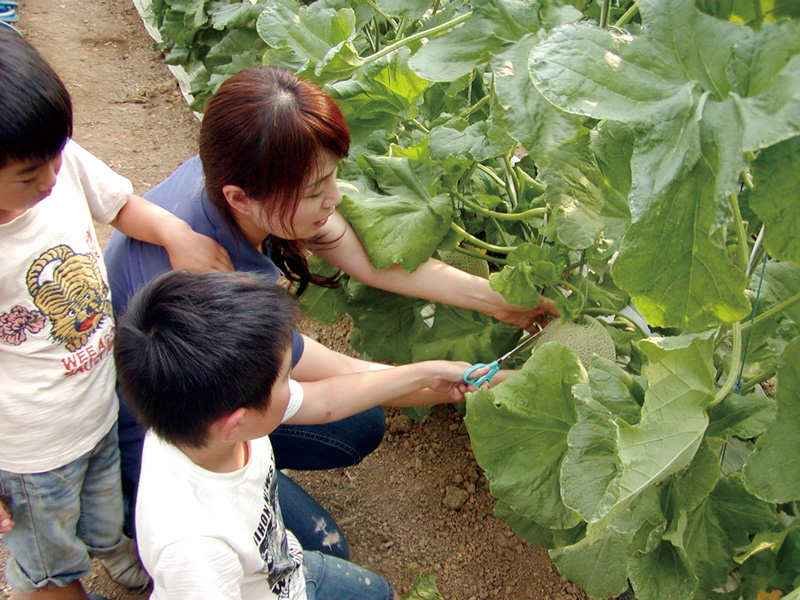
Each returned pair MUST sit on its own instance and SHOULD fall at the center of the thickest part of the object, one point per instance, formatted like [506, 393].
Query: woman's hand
[196, 252]
[529, 319]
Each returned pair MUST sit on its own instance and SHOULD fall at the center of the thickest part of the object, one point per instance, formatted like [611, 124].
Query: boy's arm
[142, 220]
[338, 397]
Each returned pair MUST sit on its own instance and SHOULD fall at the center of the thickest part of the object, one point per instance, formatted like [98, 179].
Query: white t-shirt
[57, 374]
[216, 535]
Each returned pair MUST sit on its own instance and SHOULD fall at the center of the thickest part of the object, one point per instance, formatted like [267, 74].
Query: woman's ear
[238, 199]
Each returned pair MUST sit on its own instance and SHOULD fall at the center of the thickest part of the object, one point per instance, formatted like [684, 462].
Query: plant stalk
[471, 239]
[772, 312]
[498, 215]
[512, 187]
[628, 15]
[605, 10]
[495, 177]
[476, 254]
[611, 311]
[754, 381]
[736, 359]
[417, 36]
[741, 234]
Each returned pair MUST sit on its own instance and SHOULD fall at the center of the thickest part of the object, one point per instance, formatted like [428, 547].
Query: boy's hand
[6, 522]
[447, 379]
[196, 252]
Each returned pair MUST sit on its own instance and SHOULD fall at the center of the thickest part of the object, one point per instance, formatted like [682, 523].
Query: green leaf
[662, 573]
[494, 25]
[319, 36]
[589, 212]
[424, 588]
[773, 471]
[607, 75]
[404, 228]
[741, 416]
[529, 267]
[680, 375]
[382, 323]
[776, 173]
[382, 93]
[480, 142]
[528, 117]
[519, 430]
[524, 527]
[774, 115]
[408, 9]
[224, 15]
[676, 275]
[758, 60]
[597, 564]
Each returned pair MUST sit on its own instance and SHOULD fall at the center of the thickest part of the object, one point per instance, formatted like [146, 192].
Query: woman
[264, 187]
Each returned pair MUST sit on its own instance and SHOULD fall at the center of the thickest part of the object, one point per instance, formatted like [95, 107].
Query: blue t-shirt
[131, 263]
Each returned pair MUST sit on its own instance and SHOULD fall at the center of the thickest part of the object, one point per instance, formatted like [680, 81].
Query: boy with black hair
[205, 362]
[60, 496]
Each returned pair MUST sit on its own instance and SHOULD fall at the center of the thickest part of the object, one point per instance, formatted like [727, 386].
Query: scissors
[494, 366]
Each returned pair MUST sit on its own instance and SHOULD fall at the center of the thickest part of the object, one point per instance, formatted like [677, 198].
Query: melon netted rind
[585, 338]
[470, 264]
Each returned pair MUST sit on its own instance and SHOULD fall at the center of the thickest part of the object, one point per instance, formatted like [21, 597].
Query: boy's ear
[238, 199]
[230, 426]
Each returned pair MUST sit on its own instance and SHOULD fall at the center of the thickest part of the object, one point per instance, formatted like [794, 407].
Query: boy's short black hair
[35, 107]
[195, 347]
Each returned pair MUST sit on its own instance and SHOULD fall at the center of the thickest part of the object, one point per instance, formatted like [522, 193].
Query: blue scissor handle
[494, 367]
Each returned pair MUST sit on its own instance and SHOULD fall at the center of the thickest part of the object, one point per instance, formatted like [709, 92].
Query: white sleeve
[295, 400]
[105, 190]
[198, 568]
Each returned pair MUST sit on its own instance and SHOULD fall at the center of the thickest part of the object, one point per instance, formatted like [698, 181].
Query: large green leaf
[494, 25]
[529, 118]
[773, 470]
[480, 142]
[756, 62]
[662, 573]
[680, 374]
[776, 173]
[382, 93]
[405, 227]
[676, 274]
[589, 212]
[529, 266]
[319, 36]
[607, 75]
[741, 416]
[519, 431]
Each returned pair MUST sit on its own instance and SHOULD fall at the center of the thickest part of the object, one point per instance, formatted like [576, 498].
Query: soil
[417, 505]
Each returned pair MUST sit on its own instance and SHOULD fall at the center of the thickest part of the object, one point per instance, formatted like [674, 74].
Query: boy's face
[268, 421]
[23, 184]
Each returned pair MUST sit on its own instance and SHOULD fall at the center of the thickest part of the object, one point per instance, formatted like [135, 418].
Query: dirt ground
[419, 504]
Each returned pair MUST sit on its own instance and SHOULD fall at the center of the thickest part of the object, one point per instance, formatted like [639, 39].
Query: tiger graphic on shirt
[68, 288]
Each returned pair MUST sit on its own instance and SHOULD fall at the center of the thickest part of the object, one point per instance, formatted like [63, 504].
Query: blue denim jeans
[63, 517]
[299, 447]
[331, 578]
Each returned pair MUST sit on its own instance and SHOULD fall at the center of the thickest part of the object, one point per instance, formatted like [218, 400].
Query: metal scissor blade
[522, 345]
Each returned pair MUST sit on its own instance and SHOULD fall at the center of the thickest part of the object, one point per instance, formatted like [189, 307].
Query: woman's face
[318, 202]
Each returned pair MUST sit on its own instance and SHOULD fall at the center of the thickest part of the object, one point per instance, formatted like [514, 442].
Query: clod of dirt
[455, 498]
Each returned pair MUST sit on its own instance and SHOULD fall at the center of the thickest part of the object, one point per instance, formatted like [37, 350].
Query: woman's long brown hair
[265, 130]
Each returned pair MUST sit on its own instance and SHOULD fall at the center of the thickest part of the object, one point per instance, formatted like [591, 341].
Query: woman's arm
[432, 280]
[142, 220]
[339, 397]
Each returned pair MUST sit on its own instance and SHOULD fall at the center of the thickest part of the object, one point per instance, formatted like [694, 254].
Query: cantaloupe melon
[470, 264]
[585, 338]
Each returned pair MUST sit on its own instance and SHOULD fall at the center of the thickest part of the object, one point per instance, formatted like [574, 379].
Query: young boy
[60, 496]
[205, 361]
